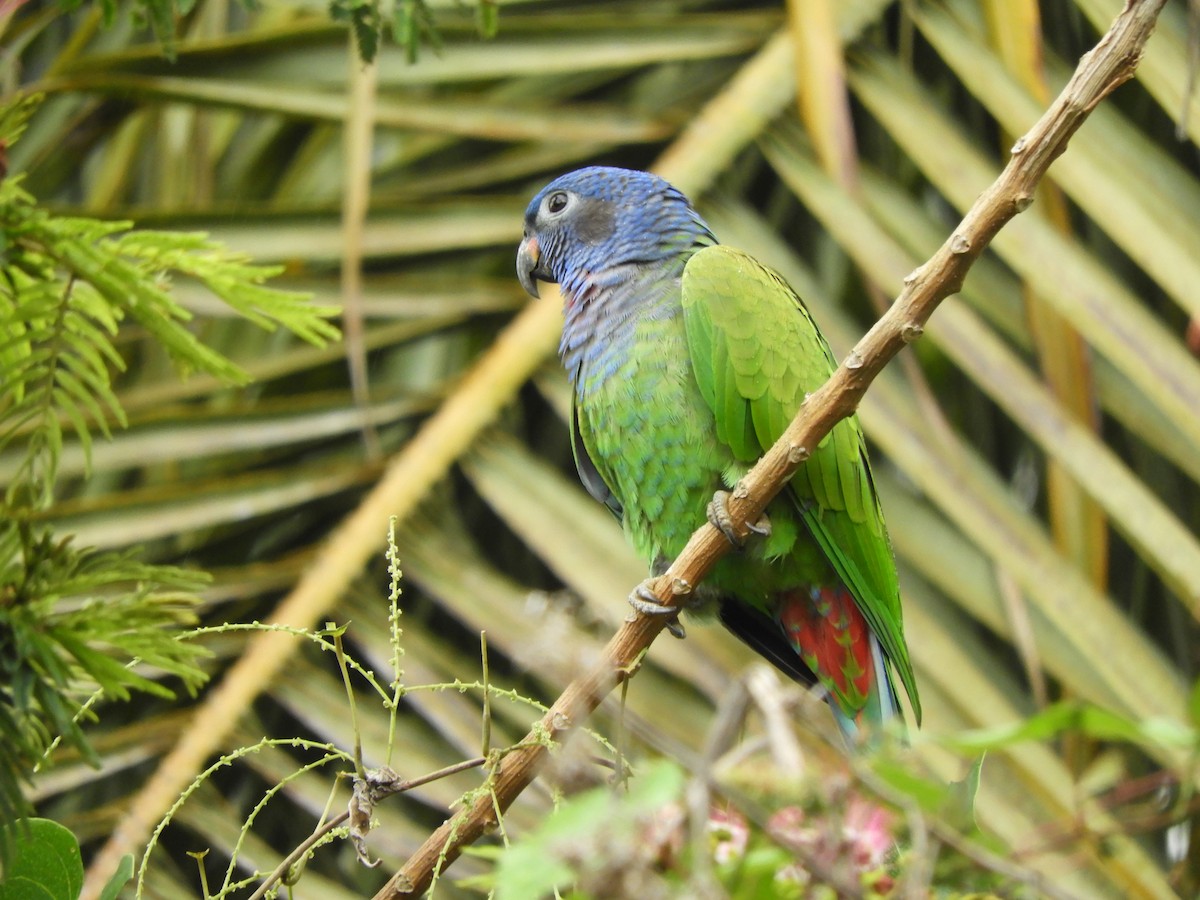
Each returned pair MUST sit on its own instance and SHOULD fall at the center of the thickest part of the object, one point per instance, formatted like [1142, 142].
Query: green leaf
[930, 795]
[15, 116]
[542, 862]
[121, 877]
[657, 785]
[525, 872]
[365, 19]
[45, 864]
[1093, 721]
[488, 18]
[958, 808]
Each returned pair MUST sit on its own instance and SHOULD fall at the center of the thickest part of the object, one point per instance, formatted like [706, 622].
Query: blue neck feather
[601, 317]
[627, 273]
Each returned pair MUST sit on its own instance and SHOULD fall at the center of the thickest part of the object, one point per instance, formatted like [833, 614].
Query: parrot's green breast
[654, 440]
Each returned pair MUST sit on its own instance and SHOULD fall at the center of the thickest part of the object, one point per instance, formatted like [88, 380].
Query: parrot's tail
[818, 635]
[832, 637]
[881, 706]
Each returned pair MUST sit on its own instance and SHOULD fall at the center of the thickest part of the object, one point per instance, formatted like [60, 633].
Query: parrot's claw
[719, 518]
[646, 602]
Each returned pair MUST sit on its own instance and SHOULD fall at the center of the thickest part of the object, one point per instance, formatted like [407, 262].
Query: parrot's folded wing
[589, 473]
[756, 353]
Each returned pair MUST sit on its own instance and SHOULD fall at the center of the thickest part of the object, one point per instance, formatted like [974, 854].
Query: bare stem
[337, 821]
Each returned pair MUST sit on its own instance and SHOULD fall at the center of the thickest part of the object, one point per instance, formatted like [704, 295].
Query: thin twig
[486, 743]
[918, 875]
[1111, 63]
[766, 691]
[1055, 836]
[336, 822]
[359, 771]
[298, 853]
[1000, 865]
[395, 632]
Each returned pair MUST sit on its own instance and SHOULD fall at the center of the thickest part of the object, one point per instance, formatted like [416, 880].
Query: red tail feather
[833, 639]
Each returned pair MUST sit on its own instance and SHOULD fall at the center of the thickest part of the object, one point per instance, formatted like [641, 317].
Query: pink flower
[787, 825]
[663, 835]
[867, 829]
[729, 833]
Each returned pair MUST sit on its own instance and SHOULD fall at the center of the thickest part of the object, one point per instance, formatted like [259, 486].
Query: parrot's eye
[557, 202]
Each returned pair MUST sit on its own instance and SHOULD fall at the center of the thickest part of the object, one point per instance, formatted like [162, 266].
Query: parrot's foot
[646, 601]
[719, 518]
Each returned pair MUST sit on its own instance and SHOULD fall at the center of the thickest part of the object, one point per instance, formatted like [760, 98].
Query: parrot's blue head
[591, 227]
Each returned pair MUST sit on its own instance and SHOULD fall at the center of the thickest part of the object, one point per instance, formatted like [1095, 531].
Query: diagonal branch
[1109, 64]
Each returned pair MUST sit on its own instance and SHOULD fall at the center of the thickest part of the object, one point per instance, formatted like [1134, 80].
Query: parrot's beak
[529, 267]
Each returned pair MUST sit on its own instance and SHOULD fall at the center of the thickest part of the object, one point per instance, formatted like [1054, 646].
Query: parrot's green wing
[756, 353]
[589, 473]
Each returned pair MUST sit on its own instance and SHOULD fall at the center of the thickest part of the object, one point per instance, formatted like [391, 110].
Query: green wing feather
[756, 352]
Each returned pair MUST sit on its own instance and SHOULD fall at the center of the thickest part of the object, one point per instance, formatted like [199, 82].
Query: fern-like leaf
[67, 285]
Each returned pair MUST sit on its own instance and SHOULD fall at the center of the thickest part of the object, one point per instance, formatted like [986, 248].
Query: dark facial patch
[595, 220]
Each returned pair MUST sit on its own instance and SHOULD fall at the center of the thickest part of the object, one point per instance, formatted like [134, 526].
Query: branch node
[854, 360]
[960, 243]
[625, 672]
[1022, 202]
[680, 587]
[909, 332]
[796, 453]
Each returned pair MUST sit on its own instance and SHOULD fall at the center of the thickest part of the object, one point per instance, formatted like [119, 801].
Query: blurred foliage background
[1036, 453]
